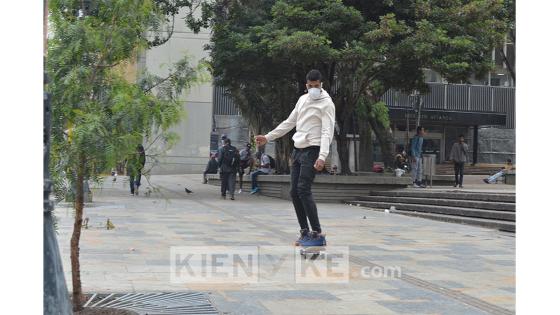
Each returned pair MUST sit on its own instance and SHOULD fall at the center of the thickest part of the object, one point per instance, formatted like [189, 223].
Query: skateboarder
[314, 118]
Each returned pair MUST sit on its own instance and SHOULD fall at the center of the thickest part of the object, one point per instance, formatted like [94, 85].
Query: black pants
[459, 168]
[303, 174]
[228, 183]
[241, 171]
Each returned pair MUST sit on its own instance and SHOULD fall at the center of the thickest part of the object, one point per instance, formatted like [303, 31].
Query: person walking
[265, 168]
[416, 157]
[314, 120]
[459, 156]
[211, 168]
[134, 168]
[245, 161]
[228, 162]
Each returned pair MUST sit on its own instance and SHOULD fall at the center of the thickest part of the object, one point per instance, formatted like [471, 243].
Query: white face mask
[314, 93]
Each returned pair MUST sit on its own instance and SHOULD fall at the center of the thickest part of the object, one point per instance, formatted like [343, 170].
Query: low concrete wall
[326, 188]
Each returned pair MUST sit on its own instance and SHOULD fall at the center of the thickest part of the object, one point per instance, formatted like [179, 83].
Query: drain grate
[175, 303]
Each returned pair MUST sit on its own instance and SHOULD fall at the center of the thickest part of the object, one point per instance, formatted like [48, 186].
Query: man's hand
[261, 140]
[319, 165]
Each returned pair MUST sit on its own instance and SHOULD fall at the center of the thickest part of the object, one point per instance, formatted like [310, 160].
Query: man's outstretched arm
[282, 129]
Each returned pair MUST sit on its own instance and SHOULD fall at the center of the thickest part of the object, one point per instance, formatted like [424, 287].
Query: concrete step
[488, 223]
[448, 194]
[476, 204]
[454, 211]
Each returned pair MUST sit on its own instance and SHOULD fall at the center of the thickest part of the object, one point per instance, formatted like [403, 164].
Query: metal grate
[176, 303]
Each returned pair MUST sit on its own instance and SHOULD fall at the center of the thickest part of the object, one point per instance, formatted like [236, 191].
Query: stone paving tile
[135, 256]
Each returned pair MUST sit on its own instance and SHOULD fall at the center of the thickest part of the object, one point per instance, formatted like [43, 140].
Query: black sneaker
[232, 198]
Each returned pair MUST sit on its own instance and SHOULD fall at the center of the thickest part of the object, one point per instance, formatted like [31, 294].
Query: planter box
[326, 188]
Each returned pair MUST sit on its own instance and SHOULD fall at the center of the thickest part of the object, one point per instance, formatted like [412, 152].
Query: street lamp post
[56, 300]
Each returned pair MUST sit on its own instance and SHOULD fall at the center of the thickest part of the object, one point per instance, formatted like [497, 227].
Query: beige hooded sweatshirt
[314, 121]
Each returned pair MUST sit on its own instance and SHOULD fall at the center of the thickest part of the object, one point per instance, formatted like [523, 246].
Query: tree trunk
[342, 144]
[77, 296]
[366, 146]
[283, 147]
[386, 141]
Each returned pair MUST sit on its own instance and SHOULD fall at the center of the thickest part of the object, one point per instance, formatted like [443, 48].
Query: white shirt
[314, 121]
[264, 161]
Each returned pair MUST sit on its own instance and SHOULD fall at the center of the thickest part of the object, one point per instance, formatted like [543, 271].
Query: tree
[363, 48]
[454, 38]
[508, 15]
[99, 116]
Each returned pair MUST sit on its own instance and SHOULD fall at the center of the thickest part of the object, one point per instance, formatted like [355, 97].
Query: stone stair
[492, 210]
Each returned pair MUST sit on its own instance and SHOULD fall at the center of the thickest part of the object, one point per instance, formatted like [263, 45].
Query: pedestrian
[134, 167]
[416, 157]
[245, 161]
[223, 138]
[228, 162]
[507, 168]
[211, 168]
[265, 168]
[314, 120]
[459, 156]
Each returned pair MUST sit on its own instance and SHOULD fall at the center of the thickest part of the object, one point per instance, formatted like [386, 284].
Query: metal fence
[460, 97]
[223, 102]
[452, 97]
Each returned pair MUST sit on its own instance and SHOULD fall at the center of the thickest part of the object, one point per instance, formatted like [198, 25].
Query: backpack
[272, 162]
[231, 156]
[245, 155]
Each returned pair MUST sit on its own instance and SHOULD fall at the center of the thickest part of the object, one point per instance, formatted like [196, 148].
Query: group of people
[458, 156]
[230, 162]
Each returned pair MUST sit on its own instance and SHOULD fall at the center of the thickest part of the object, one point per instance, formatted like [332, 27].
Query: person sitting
[265, 168]
[507, 168]
[246, 161]
[400, 162]
[211, 168]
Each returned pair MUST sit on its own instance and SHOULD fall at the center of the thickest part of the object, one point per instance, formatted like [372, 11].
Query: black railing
[460, 97]
[223, 102]
[445, 97]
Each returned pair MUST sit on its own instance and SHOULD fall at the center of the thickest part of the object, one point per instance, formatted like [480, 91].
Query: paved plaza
[445, 268]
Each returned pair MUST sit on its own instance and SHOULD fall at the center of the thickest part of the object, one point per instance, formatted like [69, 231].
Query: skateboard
[313, 252]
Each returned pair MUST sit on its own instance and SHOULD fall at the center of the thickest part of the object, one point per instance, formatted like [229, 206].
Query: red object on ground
[378, 169]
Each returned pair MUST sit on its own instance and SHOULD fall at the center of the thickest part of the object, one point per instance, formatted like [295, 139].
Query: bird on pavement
[188, 191]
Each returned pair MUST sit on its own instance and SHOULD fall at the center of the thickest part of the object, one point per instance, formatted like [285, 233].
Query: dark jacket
[225, 167]
[212, 166]
[459, 152]
[136, 162]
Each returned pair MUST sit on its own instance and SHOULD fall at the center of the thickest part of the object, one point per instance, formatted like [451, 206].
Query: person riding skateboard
[314, 118]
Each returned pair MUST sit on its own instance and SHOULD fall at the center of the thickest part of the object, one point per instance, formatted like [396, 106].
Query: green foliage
[379, 111]
[261, 50]
[98, 113]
